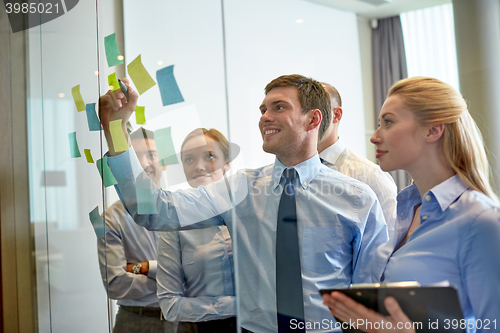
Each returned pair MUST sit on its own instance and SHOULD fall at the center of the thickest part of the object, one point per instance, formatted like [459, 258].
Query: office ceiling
[379, 8]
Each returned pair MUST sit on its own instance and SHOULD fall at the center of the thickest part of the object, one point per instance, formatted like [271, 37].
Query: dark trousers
[132, 319]
[213, 326]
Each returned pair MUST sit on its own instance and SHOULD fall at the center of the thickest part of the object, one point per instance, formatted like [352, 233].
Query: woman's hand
[349, 311]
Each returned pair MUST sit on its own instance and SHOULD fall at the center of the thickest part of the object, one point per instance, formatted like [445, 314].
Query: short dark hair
[334, 94]
[142, 133]
[311, 95]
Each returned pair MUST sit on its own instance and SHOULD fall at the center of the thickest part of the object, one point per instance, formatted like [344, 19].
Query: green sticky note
[97, 222]
[112, 51]
[113, 82]
[165, 146]
[77, 97]
[106, 175]
[143, 190]
[142, 80]
[140, 117]
[88, 155]
[73, 145]
[120, 143]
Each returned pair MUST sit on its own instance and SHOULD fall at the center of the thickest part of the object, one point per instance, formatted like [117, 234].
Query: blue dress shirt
[340, 225]
[195, 274]
[457, 241]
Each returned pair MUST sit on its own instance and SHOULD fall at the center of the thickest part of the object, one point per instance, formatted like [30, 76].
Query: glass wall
[195, 63]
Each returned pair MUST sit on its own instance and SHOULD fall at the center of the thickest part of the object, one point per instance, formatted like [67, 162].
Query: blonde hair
[212, 133]
[434, 102]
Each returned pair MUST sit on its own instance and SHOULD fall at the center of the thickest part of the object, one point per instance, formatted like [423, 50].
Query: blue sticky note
[92, 120]
[97, 222]
[143, 190]
[170, 93]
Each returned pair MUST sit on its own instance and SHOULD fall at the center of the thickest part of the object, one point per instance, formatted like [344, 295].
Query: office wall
[262, 42]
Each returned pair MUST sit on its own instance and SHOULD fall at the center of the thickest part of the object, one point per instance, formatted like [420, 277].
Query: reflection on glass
[128, 253]
[196, 274]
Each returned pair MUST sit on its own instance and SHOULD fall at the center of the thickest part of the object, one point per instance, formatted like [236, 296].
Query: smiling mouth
[201, 176]
[268, 132]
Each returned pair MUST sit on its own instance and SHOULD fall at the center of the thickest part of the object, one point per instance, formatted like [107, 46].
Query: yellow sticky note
[119, 141]
[140, 118]
[77, 97]
[113, 82]
[142, 80]
[88, 155]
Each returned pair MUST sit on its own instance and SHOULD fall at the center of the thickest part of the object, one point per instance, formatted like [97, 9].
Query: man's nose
[145, 161]
[265, 118]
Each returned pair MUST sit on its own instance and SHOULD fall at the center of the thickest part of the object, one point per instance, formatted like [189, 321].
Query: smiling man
[299, 226]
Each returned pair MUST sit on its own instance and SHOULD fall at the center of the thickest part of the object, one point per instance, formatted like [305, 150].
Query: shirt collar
[445, 193]
[448, 191]
[332, 153]
[306, 171]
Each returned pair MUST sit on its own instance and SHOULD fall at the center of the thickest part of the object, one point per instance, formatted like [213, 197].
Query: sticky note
[73, 145]
[112, 51]
[88, 155]
[106, 175]
[144, 195]
[142, 80]
[120, 143]
[140, 117]
[92, 120]
[165, 146]
[169, 91]
[97, 222]
[77, 97]
[113, 82]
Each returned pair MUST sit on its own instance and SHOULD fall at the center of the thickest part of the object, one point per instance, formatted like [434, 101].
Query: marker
[123, 88]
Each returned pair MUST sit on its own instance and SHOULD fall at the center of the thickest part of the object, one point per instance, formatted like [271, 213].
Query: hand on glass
[114, 105]
[348, 310]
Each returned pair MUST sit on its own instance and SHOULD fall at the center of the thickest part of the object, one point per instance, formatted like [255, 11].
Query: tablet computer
[432, 309]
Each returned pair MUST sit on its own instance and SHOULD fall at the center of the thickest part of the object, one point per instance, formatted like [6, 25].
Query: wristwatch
[136, 269]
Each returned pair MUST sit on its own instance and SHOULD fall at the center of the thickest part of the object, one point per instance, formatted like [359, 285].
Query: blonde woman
[448, 226]
[195, 267]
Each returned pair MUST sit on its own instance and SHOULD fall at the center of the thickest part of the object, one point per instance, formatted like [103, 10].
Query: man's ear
[164, 167]
[226, 166]
[434, 133]
[337, 114]
[314, 119]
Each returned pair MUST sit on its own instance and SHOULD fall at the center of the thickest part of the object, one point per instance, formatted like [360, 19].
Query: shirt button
[428, 197]
[304, 183]
[425, 217]
[275, 183]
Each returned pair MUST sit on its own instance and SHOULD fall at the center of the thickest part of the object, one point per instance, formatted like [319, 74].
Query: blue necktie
[289, 297]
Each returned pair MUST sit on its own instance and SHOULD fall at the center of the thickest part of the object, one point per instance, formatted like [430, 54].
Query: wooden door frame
[17, 262]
